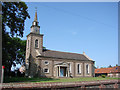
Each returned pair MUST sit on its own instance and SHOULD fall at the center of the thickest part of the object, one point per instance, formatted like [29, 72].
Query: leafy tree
[14, 15]
[109, 66]
[102, 67]
[14, 53]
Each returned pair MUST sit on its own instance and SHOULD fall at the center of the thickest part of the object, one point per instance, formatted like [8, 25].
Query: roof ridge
[64, 52]
[87, 56]
[105, 68]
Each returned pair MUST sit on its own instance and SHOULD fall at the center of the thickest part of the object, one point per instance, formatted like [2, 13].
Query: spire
[35, 22]
[35, 19]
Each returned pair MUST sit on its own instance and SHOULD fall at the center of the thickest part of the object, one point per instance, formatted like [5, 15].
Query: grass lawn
[25, 79]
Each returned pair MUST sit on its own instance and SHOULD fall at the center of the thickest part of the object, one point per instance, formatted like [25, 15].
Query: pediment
[62, 63]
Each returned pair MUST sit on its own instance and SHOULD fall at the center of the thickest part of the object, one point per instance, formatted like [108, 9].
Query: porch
[62, 70]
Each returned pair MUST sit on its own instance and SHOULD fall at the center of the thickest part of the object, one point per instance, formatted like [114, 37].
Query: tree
[14, 53]
[109, 66]
[14, 15]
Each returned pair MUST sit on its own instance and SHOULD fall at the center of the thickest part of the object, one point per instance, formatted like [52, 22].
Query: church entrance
[62, 71]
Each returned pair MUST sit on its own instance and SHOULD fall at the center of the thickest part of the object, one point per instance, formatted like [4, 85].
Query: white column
[67, 72]
[59, 71]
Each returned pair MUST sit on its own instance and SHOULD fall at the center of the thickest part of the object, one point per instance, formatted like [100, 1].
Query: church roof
[64, 55]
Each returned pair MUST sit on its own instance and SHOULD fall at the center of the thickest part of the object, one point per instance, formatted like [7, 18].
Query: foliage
[14, 15]
[103, 76]
[109, 66]
[13, 52]
[25, 79]
[102, 67]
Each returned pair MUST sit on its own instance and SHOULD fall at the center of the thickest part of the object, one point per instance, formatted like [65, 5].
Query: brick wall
[108, 84]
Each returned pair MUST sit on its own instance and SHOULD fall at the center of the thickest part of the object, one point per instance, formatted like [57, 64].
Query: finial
[83, 53]
[36, 9]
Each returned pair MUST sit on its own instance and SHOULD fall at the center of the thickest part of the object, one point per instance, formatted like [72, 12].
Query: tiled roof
[108, 70]
[63, 55]
[115, 69]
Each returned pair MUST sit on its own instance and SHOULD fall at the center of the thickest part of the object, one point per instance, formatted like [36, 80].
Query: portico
[62, 70]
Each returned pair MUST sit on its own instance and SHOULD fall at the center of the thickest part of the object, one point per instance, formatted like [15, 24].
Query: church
[40, 62]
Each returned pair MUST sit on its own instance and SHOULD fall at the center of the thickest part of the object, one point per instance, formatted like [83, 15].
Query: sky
[75, 27]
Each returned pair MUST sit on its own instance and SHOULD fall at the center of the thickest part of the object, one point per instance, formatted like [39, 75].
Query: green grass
[25, 79]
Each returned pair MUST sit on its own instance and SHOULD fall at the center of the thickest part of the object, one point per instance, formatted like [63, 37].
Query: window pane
[46, 62]
[79, 68]
[46, 70]
[87, 69]
[36, 43]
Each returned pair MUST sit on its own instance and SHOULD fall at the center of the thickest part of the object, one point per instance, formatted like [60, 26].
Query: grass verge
[26, 80]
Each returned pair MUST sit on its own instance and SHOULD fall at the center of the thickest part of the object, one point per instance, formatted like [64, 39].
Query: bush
[103, 76]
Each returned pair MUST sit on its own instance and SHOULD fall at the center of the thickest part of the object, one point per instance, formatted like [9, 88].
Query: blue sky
[77, 27]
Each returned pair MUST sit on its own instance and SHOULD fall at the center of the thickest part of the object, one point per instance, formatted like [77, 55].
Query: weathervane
[36, 9]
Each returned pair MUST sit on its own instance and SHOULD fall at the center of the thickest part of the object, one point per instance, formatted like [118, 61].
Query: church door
[62, 72]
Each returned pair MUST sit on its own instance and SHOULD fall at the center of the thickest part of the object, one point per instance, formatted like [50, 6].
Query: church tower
[34, 46]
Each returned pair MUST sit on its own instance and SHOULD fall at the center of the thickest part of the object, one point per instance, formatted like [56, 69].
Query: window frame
[36, 43]
[47, 70]
[79, 68]
[87, 69]
[47, 63]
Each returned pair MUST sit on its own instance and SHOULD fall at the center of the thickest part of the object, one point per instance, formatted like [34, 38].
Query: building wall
[74, 63]
[31, 53]
[114, 75]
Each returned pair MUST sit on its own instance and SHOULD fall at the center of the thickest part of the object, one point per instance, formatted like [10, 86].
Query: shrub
[103, 76]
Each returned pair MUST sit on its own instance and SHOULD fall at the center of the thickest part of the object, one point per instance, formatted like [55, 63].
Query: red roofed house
[110, 72]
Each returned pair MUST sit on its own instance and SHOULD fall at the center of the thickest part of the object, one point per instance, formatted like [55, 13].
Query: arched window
[79, 68]
[36, 43]
[87, 69]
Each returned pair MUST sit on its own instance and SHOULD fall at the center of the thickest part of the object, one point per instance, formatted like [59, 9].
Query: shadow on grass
[26, 79]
